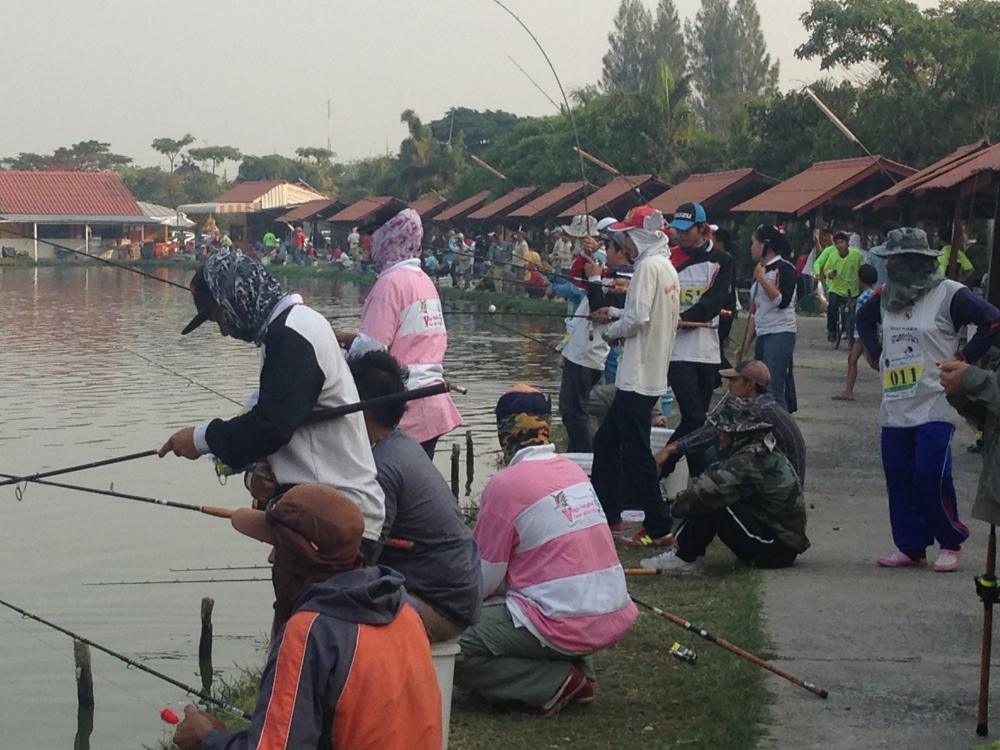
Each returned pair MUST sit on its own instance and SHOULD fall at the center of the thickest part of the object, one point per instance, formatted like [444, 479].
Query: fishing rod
[209, 510]
[732, 648]
[174, 581]
[332, 412]
[133, 663]
[223, 567]
[79, 467]
[99, 259]
[987, 590]
[182, 376]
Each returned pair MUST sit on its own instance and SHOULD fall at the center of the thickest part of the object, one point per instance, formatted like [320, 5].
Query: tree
[627, 64]
[730, 65]
[316, 153]
[215, 154]
[424, 165]
[667, 46]
[934, 80]
[476, 130]
[171, 147]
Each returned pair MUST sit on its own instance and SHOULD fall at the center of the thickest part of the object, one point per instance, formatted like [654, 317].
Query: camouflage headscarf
[913, 270]
[245, 291]
[523, 416]
[736, 414]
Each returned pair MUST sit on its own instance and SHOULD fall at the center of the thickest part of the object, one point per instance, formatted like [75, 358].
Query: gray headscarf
[913, 270]
[245, 291]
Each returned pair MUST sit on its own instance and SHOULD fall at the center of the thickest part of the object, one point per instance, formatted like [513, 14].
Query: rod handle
[217, 511]
[641, 572]
[403, 544]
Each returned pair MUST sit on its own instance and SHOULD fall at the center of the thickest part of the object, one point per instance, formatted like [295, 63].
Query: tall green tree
[667, 47]
[730, 65]
[629, 59]
[85, 156]
[215, 155]
[317, 153]
[476, 130]
[172, 147]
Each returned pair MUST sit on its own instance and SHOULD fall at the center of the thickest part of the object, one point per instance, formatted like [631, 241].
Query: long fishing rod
[210, 510]
[182, 376]
[732, 648]
[79, 467]
[99, 259]
[132, 663]
[174, 581]
[332, 412]
[222, 567]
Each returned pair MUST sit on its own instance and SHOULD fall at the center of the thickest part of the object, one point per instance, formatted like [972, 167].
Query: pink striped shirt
[541, 530]
[402, 314]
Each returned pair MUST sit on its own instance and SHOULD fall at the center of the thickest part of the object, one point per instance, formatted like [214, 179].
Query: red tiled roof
[460, 209]
[987, 160]
[912, 183]
[620, 187]
[247, 192]
[66, 194]
[708, 189]
[819, 184]
[309, 209]
[362, 210]
[514, 198]
[428, 206]
[553, 199]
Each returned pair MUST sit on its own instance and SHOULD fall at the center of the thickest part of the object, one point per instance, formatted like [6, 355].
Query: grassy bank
[646, 698]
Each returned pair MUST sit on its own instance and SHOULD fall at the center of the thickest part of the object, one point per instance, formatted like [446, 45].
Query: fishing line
[182, 376]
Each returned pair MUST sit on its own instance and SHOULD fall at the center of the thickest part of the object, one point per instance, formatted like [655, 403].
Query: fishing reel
[987, 589]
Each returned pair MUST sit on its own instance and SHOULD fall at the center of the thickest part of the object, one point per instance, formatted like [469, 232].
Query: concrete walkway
[897, 649]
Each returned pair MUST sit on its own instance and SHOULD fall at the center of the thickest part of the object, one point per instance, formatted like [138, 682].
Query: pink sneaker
[948, 560]
[899, 560]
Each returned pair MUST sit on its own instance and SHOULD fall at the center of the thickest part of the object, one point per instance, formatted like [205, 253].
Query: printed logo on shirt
[573, 511]
[423, 316]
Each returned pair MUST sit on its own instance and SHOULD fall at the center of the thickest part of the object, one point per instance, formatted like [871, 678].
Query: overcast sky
[256, 74]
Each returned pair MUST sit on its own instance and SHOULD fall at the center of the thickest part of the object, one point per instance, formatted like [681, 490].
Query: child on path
[867, 278]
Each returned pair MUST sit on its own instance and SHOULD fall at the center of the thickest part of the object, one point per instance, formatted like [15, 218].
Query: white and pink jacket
[541, 530]
[402, 315]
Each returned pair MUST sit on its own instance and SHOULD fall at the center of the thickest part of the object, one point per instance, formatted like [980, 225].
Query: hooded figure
[350, 665]
[921, 314]
[302, 371]
[402, 315]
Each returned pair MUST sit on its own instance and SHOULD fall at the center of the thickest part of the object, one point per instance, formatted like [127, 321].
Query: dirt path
[897, 649]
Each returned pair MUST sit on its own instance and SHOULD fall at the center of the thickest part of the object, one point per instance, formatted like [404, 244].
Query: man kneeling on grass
[424, 535]
[751, 500]
[549, 558]
[350, 665]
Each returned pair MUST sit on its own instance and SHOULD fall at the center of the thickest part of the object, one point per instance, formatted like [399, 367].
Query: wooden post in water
[456, 452]
[205, 644]
[84, 675]
[470, 463]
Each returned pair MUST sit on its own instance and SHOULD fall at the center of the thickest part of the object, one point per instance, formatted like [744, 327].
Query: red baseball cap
[640, 217]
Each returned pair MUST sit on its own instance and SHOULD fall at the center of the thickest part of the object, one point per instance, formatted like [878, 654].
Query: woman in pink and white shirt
[402, 315]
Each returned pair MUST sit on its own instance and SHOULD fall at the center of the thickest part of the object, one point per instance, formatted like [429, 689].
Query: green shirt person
[965, 266]
[270, 241]
[838, 266]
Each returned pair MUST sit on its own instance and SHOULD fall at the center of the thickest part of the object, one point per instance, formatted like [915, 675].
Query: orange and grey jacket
[351, 669]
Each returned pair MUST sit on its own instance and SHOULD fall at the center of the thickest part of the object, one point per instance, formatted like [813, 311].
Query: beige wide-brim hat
[582, 226]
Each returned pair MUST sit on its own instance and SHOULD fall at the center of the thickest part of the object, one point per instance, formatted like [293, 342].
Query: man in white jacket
[623, 464]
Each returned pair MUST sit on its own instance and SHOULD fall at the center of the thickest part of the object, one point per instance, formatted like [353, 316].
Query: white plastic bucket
[443, 654]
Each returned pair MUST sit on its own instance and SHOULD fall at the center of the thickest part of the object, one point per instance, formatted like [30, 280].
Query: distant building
[41, 212]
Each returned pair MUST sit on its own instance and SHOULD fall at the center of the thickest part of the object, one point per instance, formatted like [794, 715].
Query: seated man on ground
[424, 533]
[749, 379]
[751, 499]
[548, 552]
[350, 665]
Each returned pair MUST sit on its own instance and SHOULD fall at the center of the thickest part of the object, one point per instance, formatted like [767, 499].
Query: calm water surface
[71, 392]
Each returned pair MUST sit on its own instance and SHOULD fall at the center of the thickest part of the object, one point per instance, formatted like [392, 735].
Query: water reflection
[70, 392]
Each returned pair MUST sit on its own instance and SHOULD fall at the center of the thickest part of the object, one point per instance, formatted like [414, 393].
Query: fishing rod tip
[457, 388]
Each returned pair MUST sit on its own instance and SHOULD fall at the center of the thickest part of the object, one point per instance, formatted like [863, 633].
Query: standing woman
[772, 312]
[402, 315]
[921, 314]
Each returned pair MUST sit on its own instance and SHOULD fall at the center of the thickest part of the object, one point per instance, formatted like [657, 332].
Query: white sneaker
[669, 562]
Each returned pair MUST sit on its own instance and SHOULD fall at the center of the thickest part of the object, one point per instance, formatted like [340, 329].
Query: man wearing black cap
[303, 369]
[705, 275]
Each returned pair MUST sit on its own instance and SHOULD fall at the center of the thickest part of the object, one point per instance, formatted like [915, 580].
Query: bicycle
[845, 322]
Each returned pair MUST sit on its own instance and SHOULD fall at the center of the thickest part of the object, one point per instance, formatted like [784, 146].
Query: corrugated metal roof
[79, 194]
[552, 200]
[462, 208]
[987, 160]
[890, 197]
[248, 192]
[361, 211]
[616, 190]
[819, 184]
[709, 188]
[309, 209]
[428, 205]
[510, 200]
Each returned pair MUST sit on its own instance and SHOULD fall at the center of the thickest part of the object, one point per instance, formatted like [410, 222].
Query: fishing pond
[79, 384]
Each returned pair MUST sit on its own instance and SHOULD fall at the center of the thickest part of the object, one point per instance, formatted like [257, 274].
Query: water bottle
[667, 403]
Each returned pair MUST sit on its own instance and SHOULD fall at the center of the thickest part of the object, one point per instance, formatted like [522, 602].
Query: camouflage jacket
[761, 480]
[978, 400]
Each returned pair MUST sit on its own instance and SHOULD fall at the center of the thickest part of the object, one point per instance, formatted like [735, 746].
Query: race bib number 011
[901, 376]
